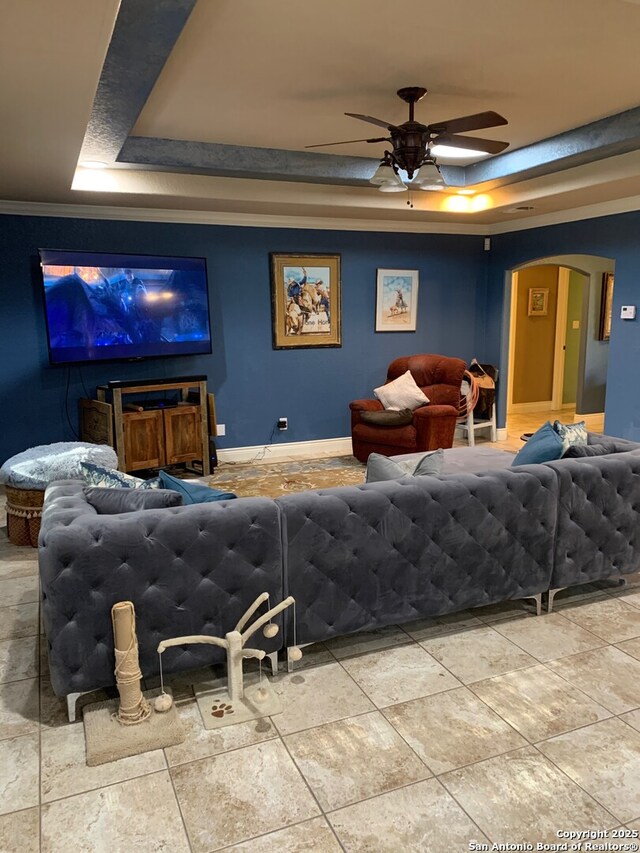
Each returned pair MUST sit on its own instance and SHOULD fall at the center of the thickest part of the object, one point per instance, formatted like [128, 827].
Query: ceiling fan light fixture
[393, 186]
[384, 174]
[428, 178]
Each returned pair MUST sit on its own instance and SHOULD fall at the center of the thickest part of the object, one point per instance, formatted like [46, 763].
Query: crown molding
[259, 220]
[249, 220]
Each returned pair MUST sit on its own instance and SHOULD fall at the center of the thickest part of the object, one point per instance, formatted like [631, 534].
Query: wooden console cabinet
[150, 437]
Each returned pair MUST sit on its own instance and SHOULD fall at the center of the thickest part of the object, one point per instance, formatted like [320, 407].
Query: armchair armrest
[435, 426]
[434, 412]
[366, 406]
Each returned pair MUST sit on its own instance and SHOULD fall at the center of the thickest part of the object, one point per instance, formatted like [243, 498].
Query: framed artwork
[397, 301]
[538, 302]
[305, 301]
[606, 307]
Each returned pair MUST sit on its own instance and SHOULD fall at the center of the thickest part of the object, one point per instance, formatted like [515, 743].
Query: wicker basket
[24, 512]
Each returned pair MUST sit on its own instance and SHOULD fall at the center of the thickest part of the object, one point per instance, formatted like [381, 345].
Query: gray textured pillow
[578, 451]
[388, 418]
[113, 501]
[381, 468]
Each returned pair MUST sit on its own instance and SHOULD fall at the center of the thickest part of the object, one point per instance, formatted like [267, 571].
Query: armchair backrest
[439, 376]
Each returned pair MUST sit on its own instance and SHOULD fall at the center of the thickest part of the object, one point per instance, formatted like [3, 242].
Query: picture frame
[305, 300]
[396, 300]
[606, 307]
[538, 305]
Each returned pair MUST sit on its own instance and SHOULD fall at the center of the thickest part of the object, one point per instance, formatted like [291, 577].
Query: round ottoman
[27, 474]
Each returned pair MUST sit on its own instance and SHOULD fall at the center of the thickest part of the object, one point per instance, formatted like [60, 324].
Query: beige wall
[534, 338]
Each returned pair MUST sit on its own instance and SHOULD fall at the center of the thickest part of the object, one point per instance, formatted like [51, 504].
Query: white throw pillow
[402, 393]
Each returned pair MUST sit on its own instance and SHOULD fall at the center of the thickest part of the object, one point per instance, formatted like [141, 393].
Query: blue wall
[613, 237]
[254, 384]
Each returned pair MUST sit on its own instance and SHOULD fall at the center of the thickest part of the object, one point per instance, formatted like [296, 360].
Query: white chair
[470, 425]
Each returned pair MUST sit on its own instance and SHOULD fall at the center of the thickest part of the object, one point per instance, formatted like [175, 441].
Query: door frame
[562, 307]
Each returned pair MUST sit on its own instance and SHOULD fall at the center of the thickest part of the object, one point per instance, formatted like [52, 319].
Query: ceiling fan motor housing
[410, 146]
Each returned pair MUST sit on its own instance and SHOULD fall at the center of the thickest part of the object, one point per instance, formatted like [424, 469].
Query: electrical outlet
[221, 429]
[283, 423]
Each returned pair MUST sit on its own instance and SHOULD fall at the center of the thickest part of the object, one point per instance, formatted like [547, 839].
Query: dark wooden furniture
[150, 435]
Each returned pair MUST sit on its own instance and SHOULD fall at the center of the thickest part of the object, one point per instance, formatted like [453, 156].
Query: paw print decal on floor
[220, 709]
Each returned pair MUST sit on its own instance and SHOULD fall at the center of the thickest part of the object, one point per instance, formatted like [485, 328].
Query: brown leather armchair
[433, 426]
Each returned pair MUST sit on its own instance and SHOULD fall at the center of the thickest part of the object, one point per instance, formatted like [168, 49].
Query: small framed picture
[305, 300]
[397, 301]
[606, 307]
[538, 301]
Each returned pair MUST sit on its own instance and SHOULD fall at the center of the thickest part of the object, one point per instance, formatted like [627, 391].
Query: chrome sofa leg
[552, 595]
[538, 600]
[72, 698]
[273, 657]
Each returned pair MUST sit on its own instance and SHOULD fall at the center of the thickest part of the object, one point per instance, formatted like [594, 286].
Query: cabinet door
[143, 440]
[182, 434]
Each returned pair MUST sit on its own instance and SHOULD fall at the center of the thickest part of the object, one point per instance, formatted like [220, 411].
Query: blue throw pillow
[193, 493]
[545, 445]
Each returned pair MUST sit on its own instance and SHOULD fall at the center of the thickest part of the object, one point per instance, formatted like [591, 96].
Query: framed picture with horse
[305, 300]
[397, 301]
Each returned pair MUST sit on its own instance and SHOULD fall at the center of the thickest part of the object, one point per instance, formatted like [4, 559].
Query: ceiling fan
[412, 141]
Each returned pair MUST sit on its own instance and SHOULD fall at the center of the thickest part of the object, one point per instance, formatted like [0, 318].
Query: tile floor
[488, 726]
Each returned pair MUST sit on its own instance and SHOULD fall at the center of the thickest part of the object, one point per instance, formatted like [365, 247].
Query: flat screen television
[102, 307]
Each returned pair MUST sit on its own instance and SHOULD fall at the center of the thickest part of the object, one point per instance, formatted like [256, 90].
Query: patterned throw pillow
[381, 468]
[571, 434]
[110, 478]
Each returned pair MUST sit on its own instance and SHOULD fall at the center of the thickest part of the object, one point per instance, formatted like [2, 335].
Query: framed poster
[397, 301]
[305, 301]
[538, 302]
[606, 307]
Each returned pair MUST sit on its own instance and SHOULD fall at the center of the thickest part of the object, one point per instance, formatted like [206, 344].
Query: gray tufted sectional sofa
[354, 558]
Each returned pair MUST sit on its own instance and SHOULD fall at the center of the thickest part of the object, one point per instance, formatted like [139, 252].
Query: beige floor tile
[633, 718]
[316, 696]
[230, 798]
[477, 654]
[608, 618]
[10, 568]
[21, 590]
[64, 769]
[19, 769]
[538, 703]
[422, 629]
[549, 636]
[633, 825]
[20, 620]
[609, 676]
[19, 708]
[137, 815]
[581, 592]
[311, 836]
[182, 683]
[630, 593]
[20, 832]
[522, 797]
[631, 647]
[398, 675]
[367, 641]
[491, 613]
[53, 710]
[604, 759]
[449, 730]
[314, 655]
[416, 819]
[18, 659]
[353, 759]
[200, 742]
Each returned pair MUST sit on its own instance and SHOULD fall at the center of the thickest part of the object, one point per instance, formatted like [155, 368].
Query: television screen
[103, 306]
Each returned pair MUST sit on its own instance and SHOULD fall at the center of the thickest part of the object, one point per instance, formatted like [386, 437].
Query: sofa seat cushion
[404, 436]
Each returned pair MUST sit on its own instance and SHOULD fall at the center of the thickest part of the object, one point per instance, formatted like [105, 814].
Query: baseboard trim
[539, 405]
[502, 434]
[588, 418]
[285, 450]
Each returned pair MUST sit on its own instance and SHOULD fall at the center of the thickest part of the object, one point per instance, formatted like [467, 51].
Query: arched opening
[554, 363]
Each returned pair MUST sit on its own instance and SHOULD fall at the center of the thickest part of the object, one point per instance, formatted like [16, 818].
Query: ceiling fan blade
[491, 146]
[348, 142]
[373, 120]
[478, 121]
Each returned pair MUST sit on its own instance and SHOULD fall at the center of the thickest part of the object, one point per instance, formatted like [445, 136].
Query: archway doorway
[554, 364]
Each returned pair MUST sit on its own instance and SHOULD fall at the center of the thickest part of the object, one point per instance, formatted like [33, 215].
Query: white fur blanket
[37, 467]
